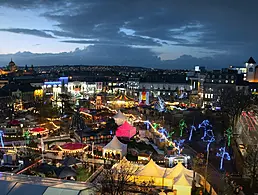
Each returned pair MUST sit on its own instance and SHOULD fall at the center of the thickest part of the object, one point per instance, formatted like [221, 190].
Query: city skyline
[167, 34]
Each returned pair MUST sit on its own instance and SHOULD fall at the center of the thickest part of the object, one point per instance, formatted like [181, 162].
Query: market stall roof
[73, 146]
[152, 170]
[179, 169]
[115, 144]
[65, 171]
[119, 115]
[182, 180]
[28, 189]
[123, 97]
[70, 160]
[126, 130]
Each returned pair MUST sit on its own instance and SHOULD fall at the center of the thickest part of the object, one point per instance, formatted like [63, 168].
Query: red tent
[73, 146]
[38, 130]
[126, 130]
[14, 123]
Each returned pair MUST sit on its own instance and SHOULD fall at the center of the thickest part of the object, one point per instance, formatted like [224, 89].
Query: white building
[88, 88]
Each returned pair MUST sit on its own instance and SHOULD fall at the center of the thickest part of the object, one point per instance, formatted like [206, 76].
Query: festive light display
[223, 155]
[229, 135]
[208, 137]
[179, 145]
[26, 136]
[204, 124]
[170, 135]
[147, 123]
[182, 126]
[155, 126]
[249, 119]
[193, 128]
[1, 138]
[163, 131]
[160, 105]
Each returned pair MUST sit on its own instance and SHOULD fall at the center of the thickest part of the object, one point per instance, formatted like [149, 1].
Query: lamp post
[208, 137]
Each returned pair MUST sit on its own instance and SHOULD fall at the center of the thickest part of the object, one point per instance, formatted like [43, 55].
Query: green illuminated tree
[182, 126]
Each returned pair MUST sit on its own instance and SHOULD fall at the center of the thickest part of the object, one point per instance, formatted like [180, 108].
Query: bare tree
[251, 164]
[233, 103]
[120, 181]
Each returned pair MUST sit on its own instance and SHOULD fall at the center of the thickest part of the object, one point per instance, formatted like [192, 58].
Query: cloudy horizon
[167, 34]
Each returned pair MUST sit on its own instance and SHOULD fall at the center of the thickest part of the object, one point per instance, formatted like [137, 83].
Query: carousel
[122, 101]
[39, 131]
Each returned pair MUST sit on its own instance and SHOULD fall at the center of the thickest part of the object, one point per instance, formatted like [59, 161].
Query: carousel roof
[123, 97]
[38, 129]
[14, 122]
[73, 146]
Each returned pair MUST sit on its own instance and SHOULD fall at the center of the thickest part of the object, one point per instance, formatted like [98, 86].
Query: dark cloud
[95, 54]
[225, 29]
[33, 32]
[119, 55]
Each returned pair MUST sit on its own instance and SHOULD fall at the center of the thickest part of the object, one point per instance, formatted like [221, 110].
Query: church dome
[11, 62]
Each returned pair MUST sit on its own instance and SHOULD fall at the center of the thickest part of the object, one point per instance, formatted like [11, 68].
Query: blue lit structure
[208, 137]
[179, 145]
[52, 83]
[160, 105]
[204, 124]
[223, 155]
[193, 128]
[163, 131]
[147, 123]
[1, 138]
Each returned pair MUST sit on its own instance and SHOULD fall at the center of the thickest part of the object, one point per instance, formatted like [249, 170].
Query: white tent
[178, 170]
[151, 173]
[115, 147]
[183, 185]
[119, 118]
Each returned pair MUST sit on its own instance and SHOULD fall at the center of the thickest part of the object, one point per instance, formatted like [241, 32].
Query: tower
[250, 69]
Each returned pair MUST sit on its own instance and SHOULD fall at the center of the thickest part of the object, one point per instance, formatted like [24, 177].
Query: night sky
[149, 33]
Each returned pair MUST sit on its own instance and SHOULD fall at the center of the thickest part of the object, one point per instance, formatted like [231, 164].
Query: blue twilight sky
[149, 33]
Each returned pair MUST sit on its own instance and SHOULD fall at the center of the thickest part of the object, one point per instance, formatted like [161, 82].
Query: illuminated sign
[53, 83]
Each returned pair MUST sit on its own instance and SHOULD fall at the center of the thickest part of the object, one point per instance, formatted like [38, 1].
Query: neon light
[193, 128]
[160, 105]
[229, 135]
[163, 131]
[179, 145]
[223, 155]
[182, 126]
[1, 138]
[53, 83]
[26, 135]
[147, 123]
[208, 136]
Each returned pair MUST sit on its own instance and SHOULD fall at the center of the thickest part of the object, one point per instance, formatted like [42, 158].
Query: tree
[233, 103]
[119, 180]
[251, 164]
[66, 105]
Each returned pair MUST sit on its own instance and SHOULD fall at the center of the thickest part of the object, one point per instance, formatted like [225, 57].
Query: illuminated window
[211, 95]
